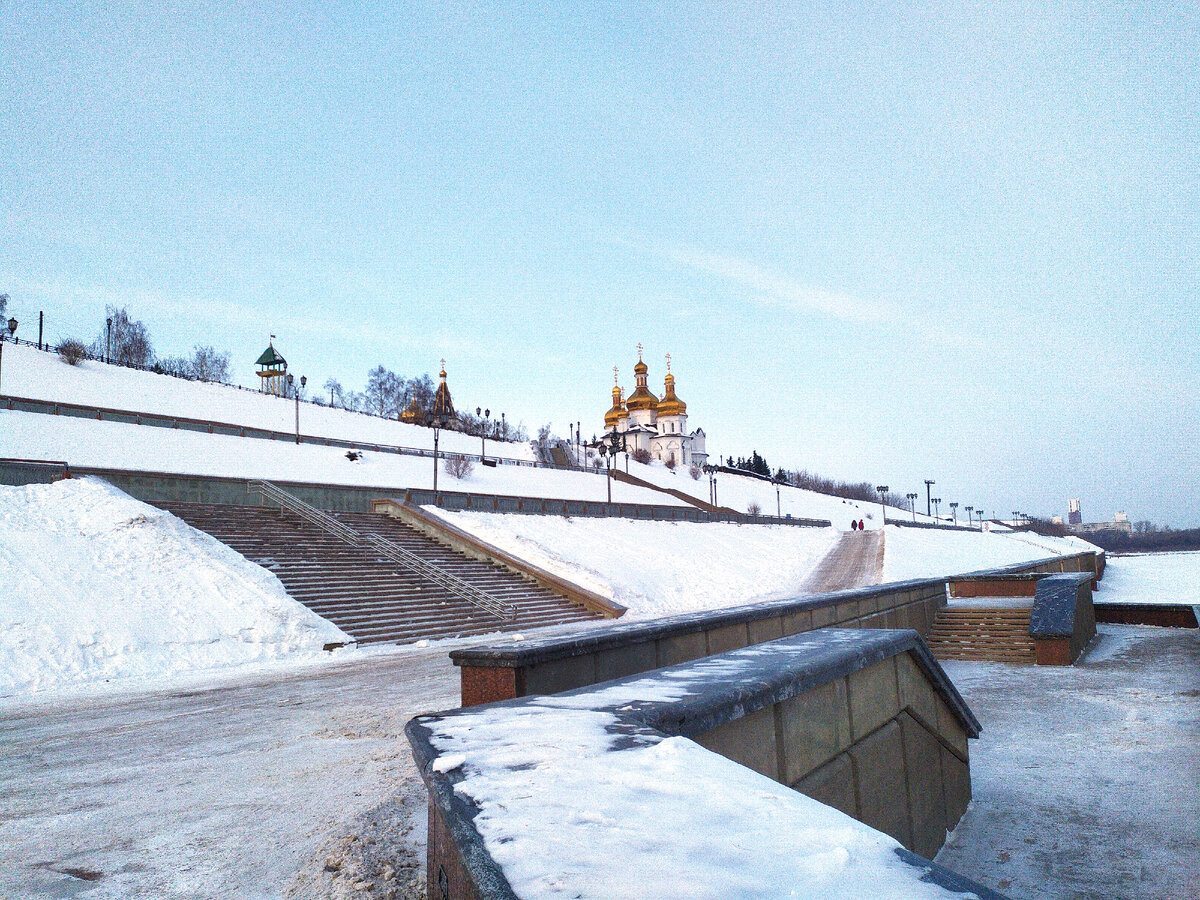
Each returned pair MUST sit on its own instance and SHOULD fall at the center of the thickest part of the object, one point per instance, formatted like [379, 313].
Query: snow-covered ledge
[609, 791]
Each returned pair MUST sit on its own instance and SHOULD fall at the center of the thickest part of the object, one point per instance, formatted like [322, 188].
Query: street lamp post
[438, 421]
[883, 489]
[912, 505]
[12, 333]
[936, 502]
[108, 341]
[295, 393]
[928, 484]
[483, 433]
[954, 511]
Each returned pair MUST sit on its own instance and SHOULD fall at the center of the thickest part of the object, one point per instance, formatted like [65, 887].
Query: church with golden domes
[656, 426]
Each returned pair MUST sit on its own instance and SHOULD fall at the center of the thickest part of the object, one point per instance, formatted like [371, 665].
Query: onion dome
[670, 405]
[413, 414]
[618, 412]
[641, 398]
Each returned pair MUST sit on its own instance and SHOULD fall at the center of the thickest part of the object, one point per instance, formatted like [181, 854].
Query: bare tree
[130, 344]
[209, 365]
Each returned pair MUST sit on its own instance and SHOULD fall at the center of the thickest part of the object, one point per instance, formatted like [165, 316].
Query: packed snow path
[856, 560]
[219, 793]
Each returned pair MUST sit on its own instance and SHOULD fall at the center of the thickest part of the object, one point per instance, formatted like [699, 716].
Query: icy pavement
[269, 788]
[1086, 779]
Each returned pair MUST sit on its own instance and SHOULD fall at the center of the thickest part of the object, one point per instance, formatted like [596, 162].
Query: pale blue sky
[880, 242]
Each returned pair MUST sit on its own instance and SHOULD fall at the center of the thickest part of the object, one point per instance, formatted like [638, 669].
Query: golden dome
[413, 415]
[641, 398]
[670, 405]
[618, 411]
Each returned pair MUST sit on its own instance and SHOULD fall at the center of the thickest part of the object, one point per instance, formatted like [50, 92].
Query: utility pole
[929, 482]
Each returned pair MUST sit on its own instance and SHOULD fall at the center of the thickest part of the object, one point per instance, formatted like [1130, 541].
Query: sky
[882, 243]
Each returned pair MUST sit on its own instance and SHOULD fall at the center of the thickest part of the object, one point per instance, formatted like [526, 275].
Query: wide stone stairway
[367, 595]
[996, 634]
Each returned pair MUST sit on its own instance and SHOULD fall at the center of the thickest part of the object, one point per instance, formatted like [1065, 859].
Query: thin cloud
[768, 287]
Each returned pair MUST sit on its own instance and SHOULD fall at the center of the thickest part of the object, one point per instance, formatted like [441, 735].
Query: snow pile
[144, 448]
[1152, 578]
[930, 553]
[659, 568]
[96, 586]
[566, 815]
[43, 376]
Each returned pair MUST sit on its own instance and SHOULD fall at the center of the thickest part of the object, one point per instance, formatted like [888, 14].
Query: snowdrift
[96, 586]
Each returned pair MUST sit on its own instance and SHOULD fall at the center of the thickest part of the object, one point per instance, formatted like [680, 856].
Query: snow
[1152, 578]
[931, 553]
[1084, 779]
[659, 568]
[566, 814]
[116, 445]
[43, 376]
[96, 587]
[739, 491]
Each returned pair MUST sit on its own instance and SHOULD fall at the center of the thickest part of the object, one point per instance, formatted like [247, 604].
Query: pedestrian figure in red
[861, 527]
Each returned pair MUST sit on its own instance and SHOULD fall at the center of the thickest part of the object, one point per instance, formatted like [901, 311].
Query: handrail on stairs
[397, 554]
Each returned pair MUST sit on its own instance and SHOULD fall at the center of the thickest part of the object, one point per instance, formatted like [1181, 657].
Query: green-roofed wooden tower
[272, 370]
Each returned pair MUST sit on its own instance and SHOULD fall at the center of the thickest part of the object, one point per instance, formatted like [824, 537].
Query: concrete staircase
[999, 634]
[368, 596]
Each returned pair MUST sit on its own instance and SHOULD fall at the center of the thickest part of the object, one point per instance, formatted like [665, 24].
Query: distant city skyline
[956, 244]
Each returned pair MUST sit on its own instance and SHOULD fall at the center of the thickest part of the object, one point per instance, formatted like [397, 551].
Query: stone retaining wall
[560, 663]
[862, 720]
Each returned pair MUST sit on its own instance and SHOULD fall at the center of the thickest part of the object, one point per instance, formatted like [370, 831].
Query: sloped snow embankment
[96, 586]
[929, 553]
[659, 568]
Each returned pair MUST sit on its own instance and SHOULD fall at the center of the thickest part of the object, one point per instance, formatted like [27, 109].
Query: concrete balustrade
[1063, 620]
[563, 662]
[864, 721]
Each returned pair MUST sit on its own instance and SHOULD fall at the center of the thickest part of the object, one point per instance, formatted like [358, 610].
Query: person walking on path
[853, 525]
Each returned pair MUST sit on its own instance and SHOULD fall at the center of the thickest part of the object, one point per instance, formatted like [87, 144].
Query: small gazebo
[272, 370]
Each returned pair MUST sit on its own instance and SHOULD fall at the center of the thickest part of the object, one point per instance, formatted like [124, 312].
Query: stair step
[369, 596]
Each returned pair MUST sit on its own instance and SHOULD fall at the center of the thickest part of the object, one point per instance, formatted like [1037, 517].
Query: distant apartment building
[1076, 525]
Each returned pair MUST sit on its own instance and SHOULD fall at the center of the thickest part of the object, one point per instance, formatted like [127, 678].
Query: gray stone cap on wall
[1053, 613]
[684, 700]
[564, 646]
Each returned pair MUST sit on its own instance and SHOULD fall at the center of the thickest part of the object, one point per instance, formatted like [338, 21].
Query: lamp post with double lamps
[12, 333]
[912, 506]
[608, 447]
[954, 511]
[882, 489]
[438, 421]
[936, 502]
[487, 413]
[296, 394]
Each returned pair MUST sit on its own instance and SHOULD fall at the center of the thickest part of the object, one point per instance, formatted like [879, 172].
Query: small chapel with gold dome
[657, 426]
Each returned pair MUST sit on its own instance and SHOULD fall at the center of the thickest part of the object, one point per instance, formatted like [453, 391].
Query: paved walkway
[229, 792]
[856, 560]
[1086, 778]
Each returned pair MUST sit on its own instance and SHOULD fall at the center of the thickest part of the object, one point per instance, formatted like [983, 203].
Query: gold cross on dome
[443, 362]
[615, 379]
[639, 352]
[668, 363]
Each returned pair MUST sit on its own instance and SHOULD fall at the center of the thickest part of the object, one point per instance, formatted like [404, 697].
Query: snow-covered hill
[97, 587]
[740, 491]
[43, 376]
[116, 445]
